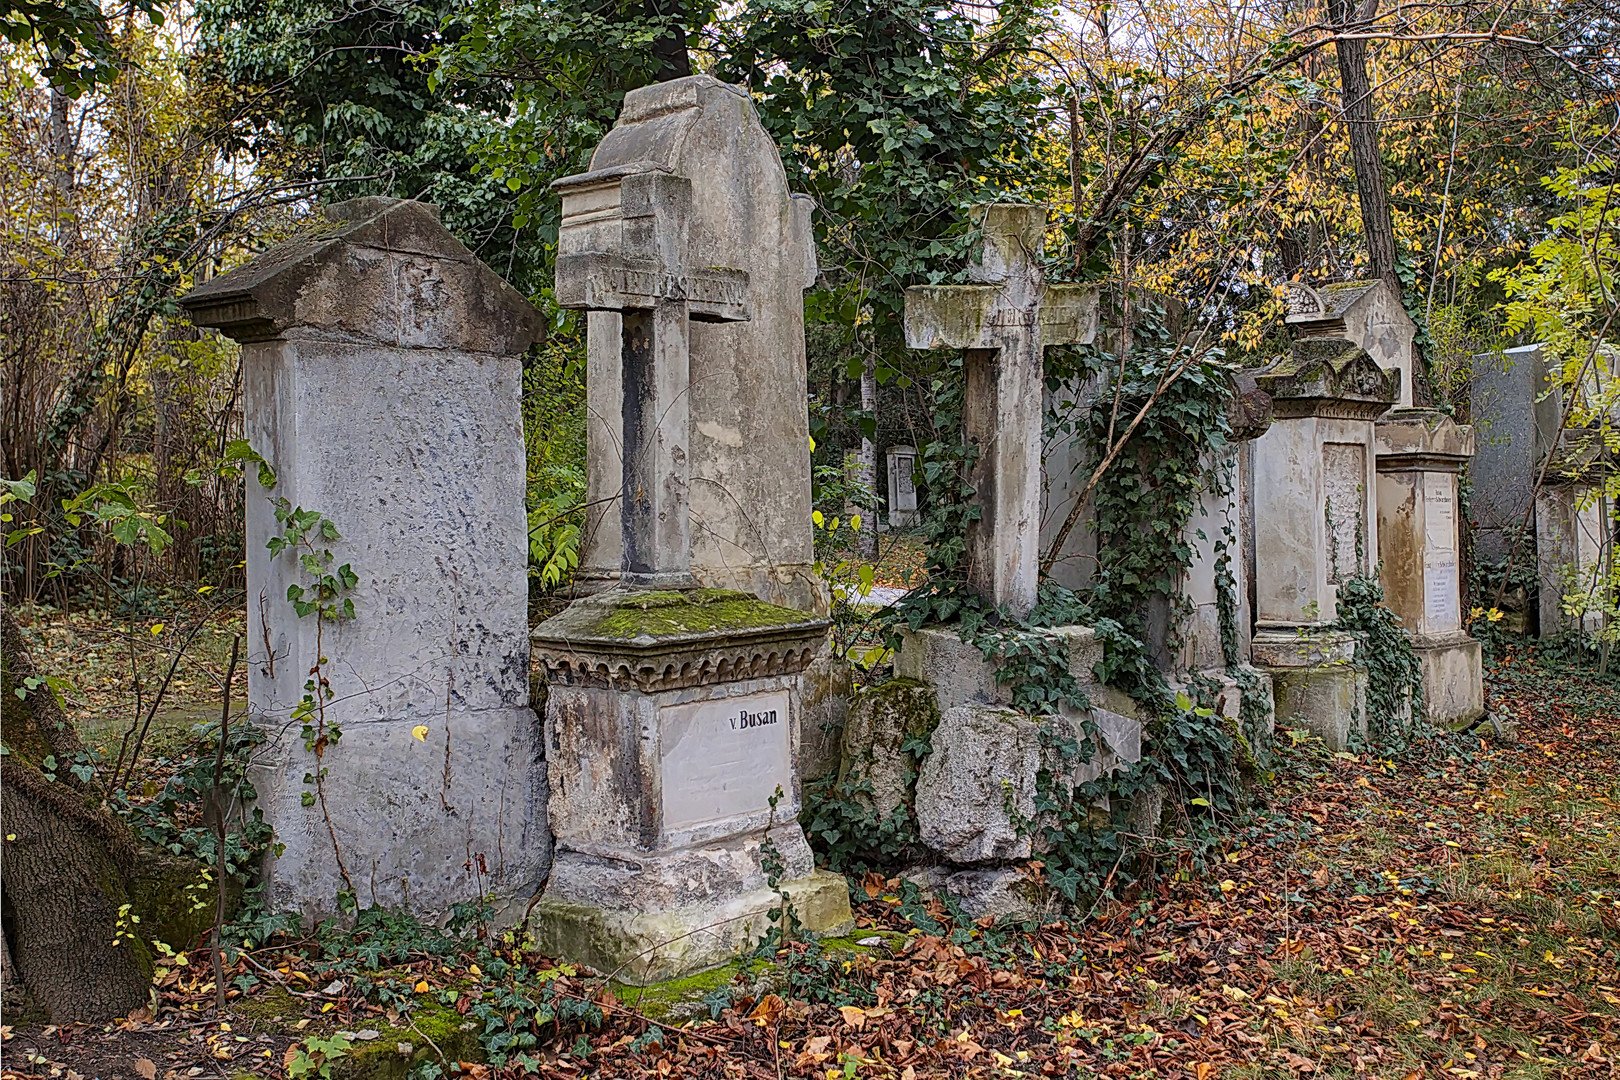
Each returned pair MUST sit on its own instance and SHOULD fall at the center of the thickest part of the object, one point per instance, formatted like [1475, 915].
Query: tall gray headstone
[382, 382]
[748, 454]
[1004, 325]
[674, 712]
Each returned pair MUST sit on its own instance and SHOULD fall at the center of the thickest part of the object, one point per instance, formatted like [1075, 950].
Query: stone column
[1420, 453]
[1315, 523]
[382, 384]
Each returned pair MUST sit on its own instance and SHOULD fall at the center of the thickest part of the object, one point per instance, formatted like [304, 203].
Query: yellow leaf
[818, 517]
[157, 628]
[422, 987]
[329, 1006]
[419, 732]
[855, 522]
[473, 970]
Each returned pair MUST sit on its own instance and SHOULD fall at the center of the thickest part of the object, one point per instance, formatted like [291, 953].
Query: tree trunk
[1362, 125]
[65, 864]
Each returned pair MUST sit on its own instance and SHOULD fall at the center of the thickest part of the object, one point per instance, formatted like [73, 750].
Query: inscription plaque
[1441, 596]
[1344, 490]
[1439, 515]
[724, 758]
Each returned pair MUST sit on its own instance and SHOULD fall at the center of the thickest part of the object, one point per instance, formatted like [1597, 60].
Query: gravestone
[382, 383]
[902, 490]
[1420, 455]
[1004, 325]
[1216, 635]
[1368, 313]
[749, 454]
[1518, 413]
[1315, 523]
[674, 714]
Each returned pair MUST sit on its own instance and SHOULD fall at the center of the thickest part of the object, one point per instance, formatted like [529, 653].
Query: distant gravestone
[674, 712]
[382, 383]
[902, 489]
[1004, 324]
[1315, 524]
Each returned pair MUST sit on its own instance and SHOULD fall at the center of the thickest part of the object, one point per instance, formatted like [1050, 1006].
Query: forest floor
[1452, 913]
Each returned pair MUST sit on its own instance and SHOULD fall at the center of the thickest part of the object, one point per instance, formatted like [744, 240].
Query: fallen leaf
[146, 1068]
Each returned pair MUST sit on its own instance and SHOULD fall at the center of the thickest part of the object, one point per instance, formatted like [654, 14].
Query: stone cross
[625, 247]
[1004, 325]
[382, 381]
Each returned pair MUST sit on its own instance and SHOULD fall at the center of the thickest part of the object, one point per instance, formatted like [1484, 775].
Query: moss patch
[680, 1000]
[698, 611]
[400, 1048]
[274, 1010]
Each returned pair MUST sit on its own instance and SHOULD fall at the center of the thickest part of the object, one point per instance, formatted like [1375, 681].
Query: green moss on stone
[274, 1010]
[456, 1037]
[679, 1000]
[913, 702]
[698, 611]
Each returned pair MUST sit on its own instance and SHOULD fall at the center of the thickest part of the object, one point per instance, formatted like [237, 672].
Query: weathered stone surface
[1570, 534]
[382, 383]
[1005, 325]
[1420, 454]
[828, 689]
[749, 464]
[881, 722]
[642, 946]
[1369, 313]
[1315, 684]
[976, 795]
[1516, 420]
[999, 893]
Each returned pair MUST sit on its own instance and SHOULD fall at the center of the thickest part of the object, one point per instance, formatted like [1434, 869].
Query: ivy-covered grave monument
[980, 783]
[1316, 528]
[387, 633]
[674, 710]
[1420, 453]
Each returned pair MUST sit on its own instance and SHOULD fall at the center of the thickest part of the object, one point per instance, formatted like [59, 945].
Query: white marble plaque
[724, 758]
[1440, 593]
[1439, 512]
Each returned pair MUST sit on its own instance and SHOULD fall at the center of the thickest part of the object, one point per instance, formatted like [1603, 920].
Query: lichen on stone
[668, 613]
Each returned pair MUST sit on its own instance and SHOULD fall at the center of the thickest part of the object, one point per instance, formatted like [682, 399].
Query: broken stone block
[1003, 892]
[882, 723]
[977, 793]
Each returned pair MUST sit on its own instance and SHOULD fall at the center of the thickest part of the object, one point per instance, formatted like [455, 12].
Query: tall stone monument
[749, 457]
[382, 384]
[1004, 325]
[1315, 524]
[674, 713]
[1420, 454]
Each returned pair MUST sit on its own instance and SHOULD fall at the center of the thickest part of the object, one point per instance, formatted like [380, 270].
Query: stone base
[1314, 683]
[641, 948]
[960, 675]
[1453, 679]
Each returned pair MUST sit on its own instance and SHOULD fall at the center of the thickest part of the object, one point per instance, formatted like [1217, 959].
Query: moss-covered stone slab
[644, 948]
[666, 615]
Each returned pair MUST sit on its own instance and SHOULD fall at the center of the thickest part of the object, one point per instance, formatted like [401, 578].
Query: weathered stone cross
[1004, 326]
[624, 247]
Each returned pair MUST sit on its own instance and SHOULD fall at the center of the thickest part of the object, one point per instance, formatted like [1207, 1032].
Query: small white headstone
[902, 492]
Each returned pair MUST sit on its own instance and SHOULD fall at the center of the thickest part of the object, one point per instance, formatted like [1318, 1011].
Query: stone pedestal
[672, 728]
[1315, 524]
[382, 383]
[1420, 453]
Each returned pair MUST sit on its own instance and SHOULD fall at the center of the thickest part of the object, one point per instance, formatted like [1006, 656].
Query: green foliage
[1395, 716]
[71, 41]
[115, 508]
[554, 443]
[315, 1055]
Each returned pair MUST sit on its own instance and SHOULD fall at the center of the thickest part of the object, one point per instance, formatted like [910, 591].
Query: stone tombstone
[1517, 422]
[902, 490]
[382, 382]
[1368, 313]
[748, 458]
[1574, 534]
[1004, 322]
[674, 714]
[1315, 523]
[1420, 455]
[1215, 638]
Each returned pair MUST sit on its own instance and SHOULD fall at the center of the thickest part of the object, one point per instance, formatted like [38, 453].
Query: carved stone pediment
[1328, 377]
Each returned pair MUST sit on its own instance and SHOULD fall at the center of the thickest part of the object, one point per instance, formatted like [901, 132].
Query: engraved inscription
[1439, 513]
[1344, 490]
[723, 758]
